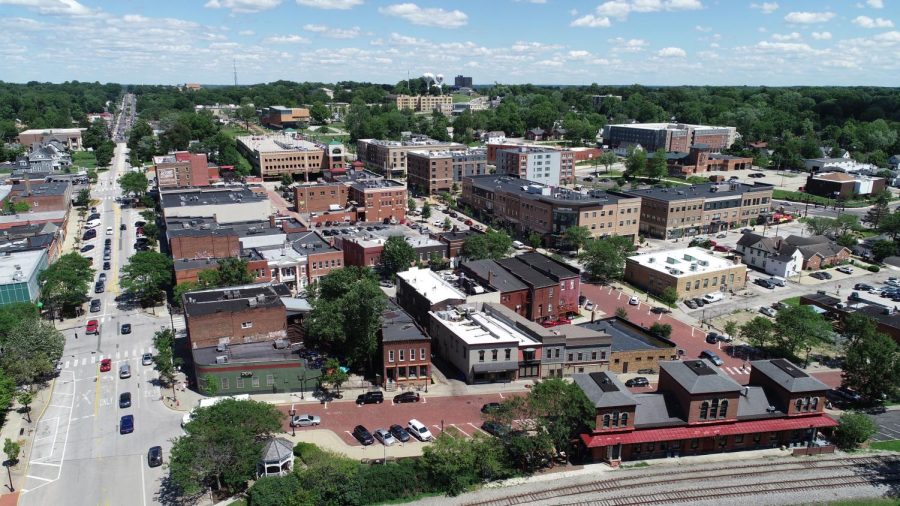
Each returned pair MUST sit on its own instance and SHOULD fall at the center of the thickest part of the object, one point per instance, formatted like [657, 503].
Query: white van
[92, 224]
[518, 245]
[777, 281]
[713, 297]
[419, 430]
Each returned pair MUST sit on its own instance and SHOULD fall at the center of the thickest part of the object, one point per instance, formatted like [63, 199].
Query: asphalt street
[79, 457]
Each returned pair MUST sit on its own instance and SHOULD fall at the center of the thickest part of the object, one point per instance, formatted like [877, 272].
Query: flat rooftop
[626, 336]
[667, 126]
[32, 217]
[376, 184]
[682, 262]
[483, 327]
[61, 131]
[430, 285]
[38, 189]
[211, 196]
[398, 326]
[277, 143]
[418, 141]
[704, 190]
[540, 192]
[247, 354]
[374, 238]
[234, 299]
[26, 261]
[479, 153]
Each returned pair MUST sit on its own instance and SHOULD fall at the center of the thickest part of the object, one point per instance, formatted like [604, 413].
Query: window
[270, 379]
[636, 448]
[605, 421]
[412, 353]
[714, 408]
[593, 355]
[402, 356]
[255, 383]
[624, 420]
[756, 438]
[570, 357]
[508, 353]
[739, 439]
[239, 383]
[723, 409]
[390, 355]
[246, 325]
[224, 383]
[421, 353]
[799, 404]
[615, 419]
[704, 410]
[481, 355]
[580, 357]
[815, 403]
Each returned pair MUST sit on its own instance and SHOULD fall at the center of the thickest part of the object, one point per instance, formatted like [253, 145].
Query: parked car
[106, 266]
[154, 456]
[712, 357]
[125, 400]
[588, 306]
[700, 302]
[86, 248]
[846, 269]
[99, 287]
[305, 420]
[490, 407]
[722, 235]
[385, 436]
[581, 300]
[639, 381]
[634, 301]
[126, 424]
[105, 365]
[660, 310]
[826, 275]
[370, 398]
[495, 429]
[712, 338]
[89, 234]
[362, 435]
[765, 283]
[690, 304]
[406, 397]
[399, 433]
[419, 430]
[862, 286]
[768, 312]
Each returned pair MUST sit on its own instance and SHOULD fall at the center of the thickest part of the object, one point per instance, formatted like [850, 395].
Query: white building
[770, 255]
[19, 273]
[844, 163]
[540, 165]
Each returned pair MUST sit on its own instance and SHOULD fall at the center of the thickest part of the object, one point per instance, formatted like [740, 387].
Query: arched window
[704, 409]
[615, 420]
[806, 404]
[723, 409]
[624, 419]
[815, 403]
[714, 409]
[605, 421]
[799, 404]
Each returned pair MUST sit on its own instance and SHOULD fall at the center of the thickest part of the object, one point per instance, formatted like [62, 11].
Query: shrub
[854, 429]
[873, 268]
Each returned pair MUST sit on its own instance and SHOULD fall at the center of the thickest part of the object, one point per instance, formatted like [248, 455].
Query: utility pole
[234, 65]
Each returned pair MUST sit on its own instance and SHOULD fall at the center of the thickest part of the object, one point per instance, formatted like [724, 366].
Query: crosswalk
[136, 353]
[736, 371]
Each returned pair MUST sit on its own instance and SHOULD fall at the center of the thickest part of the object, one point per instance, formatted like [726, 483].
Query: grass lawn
[234, 131]
[892, 445]
[792, 301]
[459, 97]
[814, 199]
[85, 159]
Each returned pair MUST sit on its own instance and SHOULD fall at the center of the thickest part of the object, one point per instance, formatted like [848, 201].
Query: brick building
[691, 272]
[843, 186]
[278, 116]
[540, 165]
[668, 136]
[700, 209]
[42, 197]
[227, 204]
[273, 156]
[405, 350]
[423, 103]
[70, 137]
[389, 157]
[433, 172]
[420, 291]
[379, 201]
[698, 409]
[320, 197]
[235, 315]
[364, 248]
[184, 169]
[549, 211]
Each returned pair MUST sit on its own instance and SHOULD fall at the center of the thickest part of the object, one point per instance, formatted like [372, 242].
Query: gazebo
[277, 458]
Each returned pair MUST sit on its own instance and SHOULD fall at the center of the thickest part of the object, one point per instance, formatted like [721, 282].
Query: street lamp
[302, 384]
[293, 412]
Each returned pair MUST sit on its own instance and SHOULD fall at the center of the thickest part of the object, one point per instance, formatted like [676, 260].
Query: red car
[105, 365]
[93, 327]
[469, 222]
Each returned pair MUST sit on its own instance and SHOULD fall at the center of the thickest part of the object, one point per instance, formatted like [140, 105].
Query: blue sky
[665, 42]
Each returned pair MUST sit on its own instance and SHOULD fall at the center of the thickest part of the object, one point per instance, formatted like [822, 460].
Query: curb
[31, 449]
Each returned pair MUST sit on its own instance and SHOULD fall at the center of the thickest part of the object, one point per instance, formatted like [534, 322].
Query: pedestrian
[76, 335]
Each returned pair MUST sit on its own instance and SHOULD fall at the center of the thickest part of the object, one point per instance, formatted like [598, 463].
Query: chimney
[490, 278]
[272, 220]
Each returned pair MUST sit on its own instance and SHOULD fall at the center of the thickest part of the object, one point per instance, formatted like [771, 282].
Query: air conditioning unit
[222, 359]
[222, 347]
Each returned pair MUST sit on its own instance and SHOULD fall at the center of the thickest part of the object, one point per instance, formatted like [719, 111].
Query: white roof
[277, 143]
[259, 241]
[682, 262]
[480, 328]
[27, 261]
[52, 131]
[430, 285]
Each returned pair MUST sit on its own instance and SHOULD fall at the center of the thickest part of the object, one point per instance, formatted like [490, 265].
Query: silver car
[386, 438]
[305, 420]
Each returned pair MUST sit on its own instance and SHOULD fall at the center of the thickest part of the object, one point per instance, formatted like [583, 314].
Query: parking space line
[39, 478]
[462, 431]
[477, 428]
[39, 463]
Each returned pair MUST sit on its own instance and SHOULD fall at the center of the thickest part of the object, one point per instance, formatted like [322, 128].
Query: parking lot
[888, 426]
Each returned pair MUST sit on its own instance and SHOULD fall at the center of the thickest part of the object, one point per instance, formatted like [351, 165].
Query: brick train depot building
[699, 409]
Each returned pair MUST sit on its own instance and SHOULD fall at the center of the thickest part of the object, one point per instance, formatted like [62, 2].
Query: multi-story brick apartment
[382, 201]
[423, 103]
[699, 409]
[41, 197]
[183, 168]
[433, 172]
[843, 186]
[320, 197]
[364, 248]
[668, 136]
[275, 155]
[279, 116]
[227, 204]
[549, 211]
[405, 349]
[708, 208]
[700, 159]
[691, 272]
[389, 157]
[539, 165]
[70, 137]
[235, 315]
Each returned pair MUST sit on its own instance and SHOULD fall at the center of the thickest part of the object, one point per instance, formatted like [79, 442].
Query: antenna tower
[234, 64]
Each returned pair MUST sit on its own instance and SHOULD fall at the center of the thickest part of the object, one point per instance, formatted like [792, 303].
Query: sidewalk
[19, 429]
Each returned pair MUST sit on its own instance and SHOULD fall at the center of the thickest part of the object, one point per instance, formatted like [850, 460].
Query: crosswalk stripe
[93, 359]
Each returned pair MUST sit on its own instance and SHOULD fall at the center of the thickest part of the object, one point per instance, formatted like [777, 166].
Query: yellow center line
[114, 273]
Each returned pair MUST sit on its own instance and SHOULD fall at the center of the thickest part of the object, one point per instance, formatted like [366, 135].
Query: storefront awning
[494, 367]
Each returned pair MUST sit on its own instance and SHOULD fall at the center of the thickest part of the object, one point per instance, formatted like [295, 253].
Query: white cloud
[334, 33]
[61, 7]
[785, 47]
[532, 1]
[808, 18]
[628, 45]
[620, 9]
[426, 16]
[591, 21]
[530, 47]
[671, 52]
[786, 37]
[286, 39]
[243, 6]
[247, 33]
[579, 55]
[892, 36]
[765, 7]
[703, 29]
[821, 35]
[406, 40]
[867, 22]
[330, 4]
[876, 4]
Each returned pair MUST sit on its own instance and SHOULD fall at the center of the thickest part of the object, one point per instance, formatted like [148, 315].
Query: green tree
[853, 430]
[447, 223]
[562, 411]
[247, 113]
[221, 446]
[396, 256]
[534, 240]
[104, 153]
[233, 271]
[279, 491]
[880, 208]
[411, 204]
[662, 329]
[84, 198]
[622, 313]
[16, 207]
[669, 296]
[846, 223]
[799, 327]
[183, 288]
[31, 350]
[164, 361]
[147, 274]
[872, 362]
[134, 183]
[576, 237]
[758, 332]
[319, 113]
[608, 159]
[604, 258]
[731, 328]
[25, 398]
[426, 210]
[453, 464]
[7, 393]
[12, 450]
[493, 244]
[635, 163]
[819, 225]
[334, 375]
[656, 166]
[890, 224]
[882, 249]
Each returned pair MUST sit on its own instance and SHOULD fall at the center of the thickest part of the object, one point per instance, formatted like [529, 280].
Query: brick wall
[212, 245]
[266, 324]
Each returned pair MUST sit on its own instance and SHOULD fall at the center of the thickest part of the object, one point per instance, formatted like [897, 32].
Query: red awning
[678, 433]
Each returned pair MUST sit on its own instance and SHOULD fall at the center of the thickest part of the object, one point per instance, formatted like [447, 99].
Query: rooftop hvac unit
[222, 359]
[703, 262]
[221, 347]
[693, 267]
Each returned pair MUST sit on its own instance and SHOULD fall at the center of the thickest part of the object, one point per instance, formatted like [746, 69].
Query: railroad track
[673, 476]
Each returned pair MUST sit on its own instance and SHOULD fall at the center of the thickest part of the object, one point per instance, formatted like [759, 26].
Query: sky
[650, 42]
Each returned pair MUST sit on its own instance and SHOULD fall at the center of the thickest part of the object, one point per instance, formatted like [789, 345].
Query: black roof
[500, 279]
[246, 353]
[525, 273]
[210, 196]
[703, 190]
[398, 326]
[627, 336]
[234, 299]
[557, 196]
[548, 265]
